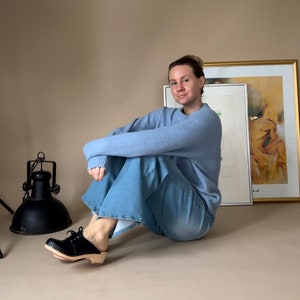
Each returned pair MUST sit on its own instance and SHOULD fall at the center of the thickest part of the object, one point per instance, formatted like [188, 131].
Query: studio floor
[253, 252]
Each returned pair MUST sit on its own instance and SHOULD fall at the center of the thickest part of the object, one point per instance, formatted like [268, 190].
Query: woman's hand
[97, 173]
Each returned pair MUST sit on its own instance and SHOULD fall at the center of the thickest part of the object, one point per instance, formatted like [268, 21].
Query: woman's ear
[201, 81]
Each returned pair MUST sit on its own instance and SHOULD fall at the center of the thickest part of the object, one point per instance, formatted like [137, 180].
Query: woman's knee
[186, 232]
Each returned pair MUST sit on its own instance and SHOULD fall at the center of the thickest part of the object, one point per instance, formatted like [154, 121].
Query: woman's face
[186, 87]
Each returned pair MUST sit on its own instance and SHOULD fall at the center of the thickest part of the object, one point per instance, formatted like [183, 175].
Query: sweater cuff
[99, 161]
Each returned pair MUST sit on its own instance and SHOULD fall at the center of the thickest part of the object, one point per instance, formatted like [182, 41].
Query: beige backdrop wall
[72, 70]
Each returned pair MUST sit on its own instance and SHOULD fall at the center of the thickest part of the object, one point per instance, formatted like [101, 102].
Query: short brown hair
[193, 61]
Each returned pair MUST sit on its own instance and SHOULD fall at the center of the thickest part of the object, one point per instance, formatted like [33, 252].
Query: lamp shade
[40, 213]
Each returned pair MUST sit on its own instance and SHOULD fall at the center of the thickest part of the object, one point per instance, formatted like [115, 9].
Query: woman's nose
[180, 87]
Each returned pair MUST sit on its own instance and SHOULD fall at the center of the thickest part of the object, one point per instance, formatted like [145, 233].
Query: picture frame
[229, 101]
[272, 90]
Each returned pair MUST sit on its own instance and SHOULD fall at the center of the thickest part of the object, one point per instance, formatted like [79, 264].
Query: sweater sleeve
[145, 122]
[179, 139]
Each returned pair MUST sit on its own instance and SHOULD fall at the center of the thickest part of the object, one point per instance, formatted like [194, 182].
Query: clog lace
[74, 235]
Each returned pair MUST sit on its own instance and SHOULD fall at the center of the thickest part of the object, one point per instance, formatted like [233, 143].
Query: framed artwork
[273, 114]
[229, 101]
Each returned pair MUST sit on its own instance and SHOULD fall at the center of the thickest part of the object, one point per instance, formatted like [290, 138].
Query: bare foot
[98, 230]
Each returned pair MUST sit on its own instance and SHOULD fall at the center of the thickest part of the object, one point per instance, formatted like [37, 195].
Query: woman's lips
[181, 96]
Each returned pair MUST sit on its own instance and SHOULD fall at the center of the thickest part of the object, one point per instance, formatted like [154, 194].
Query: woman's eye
[172, 83]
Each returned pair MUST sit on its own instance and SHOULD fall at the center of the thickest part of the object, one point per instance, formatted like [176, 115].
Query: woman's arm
[167, 140]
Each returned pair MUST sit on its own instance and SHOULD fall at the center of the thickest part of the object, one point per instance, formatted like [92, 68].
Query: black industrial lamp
[40, 213]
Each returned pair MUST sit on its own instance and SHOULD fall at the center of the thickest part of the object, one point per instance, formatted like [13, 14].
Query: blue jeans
[152, 191]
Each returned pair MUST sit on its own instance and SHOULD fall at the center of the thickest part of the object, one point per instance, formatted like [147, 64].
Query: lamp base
[40, 217]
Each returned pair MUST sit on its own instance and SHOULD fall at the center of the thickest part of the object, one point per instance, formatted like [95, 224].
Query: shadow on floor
[232, 218]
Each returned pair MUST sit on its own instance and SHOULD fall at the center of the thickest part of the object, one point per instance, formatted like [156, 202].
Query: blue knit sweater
[192, 141]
